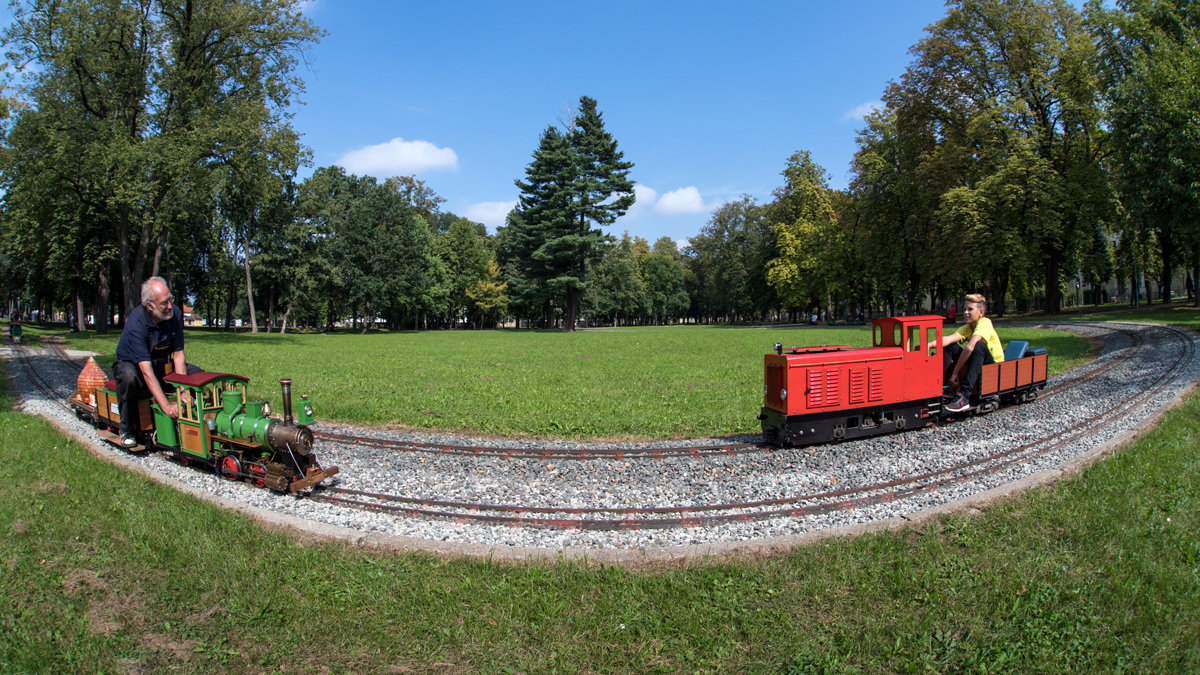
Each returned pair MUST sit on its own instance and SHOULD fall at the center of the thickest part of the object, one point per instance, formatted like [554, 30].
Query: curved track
[599, 518]
[820, 502]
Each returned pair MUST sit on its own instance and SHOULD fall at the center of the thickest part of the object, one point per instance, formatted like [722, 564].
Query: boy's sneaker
[959, 404]
[128, 441]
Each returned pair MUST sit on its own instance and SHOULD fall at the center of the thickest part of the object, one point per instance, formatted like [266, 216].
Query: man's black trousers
[130, 386]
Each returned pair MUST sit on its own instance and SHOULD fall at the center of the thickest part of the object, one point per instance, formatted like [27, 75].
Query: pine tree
[570, 186]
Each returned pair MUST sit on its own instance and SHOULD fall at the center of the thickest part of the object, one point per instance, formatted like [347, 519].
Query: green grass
[107, 572]
[687, 382]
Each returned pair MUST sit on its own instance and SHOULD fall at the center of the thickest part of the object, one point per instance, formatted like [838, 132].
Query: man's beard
[161, 315]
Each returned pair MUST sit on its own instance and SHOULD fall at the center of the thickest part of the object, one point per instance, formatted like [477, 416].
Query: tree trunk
[230, 295]
[102, 298]
[80, 324]
[161, 256]
[132, 270]
[1053, 295]
[1002, 280]
[249, 284]
[1168, 253]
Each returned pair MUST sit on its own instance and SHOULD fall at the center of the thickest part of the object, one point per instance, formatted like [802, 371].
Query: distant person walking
[952, 313]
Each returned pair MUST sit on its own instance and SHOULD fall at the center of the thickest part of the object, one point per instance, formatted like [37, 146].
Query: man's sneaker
[959, 404]
[128, 441]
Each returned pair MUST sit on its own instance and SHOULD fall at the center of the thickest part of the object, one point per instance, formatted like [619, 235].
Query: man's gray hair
[148, 289]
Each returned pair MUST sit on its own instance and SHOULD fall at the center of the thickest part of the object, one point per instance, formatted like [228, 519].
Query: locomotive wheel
[258, 474]
[185, 460]
[230, 467]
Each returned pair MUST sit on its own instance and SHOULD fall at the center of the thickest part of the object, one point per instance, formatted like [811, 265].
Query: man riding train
[962, 357]
[151, 347]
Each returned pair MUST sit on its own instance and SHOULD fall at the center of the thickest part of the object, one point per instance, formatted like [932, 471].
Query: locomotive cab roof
[201, 379]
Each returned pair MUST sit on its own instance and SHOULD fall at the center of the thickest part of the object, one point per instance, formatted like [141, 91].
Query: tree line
[1028, 147]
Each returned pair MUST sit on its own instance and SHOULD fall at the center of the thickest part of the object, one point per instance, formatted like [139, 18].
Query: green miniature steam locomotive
[218, 427]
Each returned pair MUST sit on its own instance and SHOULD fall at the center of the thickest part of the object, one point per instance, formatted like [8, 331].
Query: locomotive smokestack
[286, 383]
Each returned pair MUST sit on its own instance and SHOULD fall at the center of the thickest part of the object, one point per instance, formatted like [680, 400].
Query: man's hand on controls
[172, 410]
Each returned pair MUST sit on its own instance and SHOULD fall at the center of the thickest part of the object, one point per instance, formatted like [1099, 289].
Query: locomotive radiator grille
[858, 385]
[832, 389]
[816, 388]
[823, 389]
[875, 385]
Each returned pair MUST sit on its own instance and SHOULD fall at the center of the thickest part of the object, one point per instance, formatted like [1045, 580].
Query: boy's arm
[947, 340]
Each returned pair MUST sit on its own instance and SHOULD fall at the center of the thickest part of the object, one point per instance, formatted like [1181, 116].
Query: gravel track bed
[646, 482]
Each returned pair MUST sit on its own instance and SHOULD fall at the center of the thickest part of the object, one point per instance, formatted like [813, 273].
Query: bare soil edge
[312, 531]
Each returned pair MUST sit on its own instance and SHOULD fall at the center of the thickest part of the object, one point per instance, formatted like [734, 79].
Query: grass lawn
[676, 382]
[107, 572]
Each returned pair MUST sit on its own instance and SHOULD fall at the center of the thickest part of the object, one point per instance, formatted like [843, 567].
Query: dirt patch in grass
[180, 649]
[130, 667]
[44, 487]
[204, 616]
[18, 527]
[113, 610]
[83, 580]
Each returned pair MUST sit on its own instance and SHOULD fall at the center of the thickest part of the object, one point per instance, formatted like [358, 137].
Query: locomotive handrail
[813, 350]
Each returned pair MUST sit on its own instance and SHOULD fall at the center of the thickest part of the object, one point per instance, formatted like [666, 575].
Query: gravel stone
[1140, 371]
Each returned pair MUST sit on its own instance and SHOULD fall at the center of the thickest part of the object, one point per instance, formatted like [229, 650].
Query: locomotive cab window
[897, 336]
[878, 335]
[914, 339]
[931, 336]
[187, 410]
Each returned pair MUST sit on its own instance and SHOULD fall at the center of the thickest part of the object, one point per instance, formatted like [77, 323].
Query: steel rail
[727, 449]
[910, 485]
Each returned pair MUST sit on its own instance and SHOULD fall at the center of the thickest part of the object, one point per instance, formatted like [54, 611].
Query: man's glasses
[165, 303]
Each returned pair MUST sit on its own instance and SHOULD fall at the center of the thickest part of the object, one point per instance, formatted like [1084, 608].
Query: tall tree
[1150, 51]
[138, 97]
[805, 228]
[618, 290]
[468, 261]
[577, 179]
[1026, 67]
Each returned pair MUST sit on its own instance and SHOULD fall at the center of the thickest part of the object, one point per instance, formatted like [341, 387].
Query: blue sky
[708, 100]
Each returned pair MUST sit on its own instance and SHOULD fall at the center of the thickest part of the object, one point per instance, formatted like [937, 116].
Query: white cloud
[682, 244]
[490, 213]
[683, 200]
[645, 198]
[863, 110]
[307, 6]
[397, 157]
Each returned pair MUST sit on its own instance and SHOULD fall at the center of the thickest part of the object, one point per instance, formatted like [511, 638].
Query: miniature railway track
[633, 518]
[21, 351]
[727, 449]
[809, 504]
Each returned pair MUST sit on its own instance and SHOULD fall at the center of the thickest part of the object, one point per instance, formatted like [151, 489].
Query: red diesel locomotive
[831, 393]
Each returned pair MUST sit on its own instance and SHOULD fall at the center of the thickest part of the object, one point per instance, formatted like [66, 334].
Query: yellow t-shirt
[983, 328]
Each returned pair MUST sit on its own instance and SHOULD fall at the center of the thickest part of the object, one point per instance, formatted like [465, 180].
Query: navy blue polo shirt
[144, 340]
